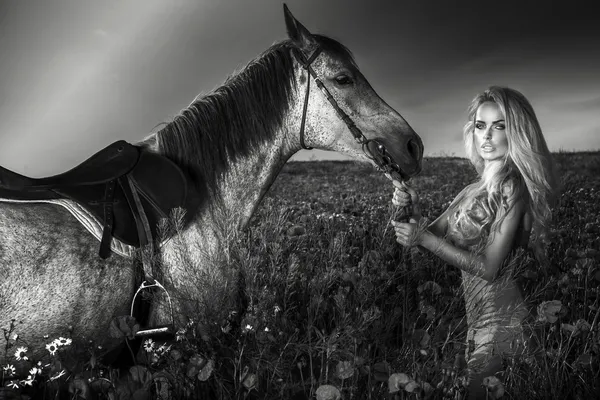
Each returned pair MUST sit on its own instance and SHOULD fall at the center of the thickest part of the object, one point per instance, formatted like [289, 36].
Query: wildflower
[52, 347]
[149, 345]
[61, 341]
[34, 371]
[549, 311]
[180, 334]
[250, 381]
[584, 360]
[13, 384]
[248, 327]
[577, 271]
[276, 310]
[564, 280]
[412, 387]
[431, 287]
[344, 369]
[328, 392]
[55, 377]
[10, 369]
[266, 329]
[20, 354]
[28, 381]
[493, 387]
[15, 336]
[582, 325]
[163, 349]
[206, 371]
[428, 310]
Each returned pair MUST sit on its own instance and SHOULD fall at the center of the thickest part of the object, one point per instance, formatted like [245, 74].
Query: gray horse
[232, 142]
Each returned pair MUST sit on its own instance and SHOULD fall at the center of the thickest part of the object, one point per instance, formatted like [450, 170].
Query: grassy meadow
[334, 308]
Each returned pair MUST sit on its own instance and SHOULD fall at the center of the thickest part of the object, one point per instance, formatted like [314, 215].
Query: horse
[231, 142]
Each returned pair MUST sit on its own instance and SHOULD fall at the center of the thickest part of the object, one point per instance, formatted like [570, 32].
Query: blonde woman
[508, 208]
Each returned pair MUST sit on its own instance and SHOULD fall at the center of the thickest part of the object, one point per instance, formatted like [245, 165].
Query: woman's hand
[407, 233]
[405, 196]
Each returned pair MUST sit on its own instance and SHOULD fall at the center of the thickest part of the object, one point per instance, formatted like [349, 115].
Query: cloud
[100, 33]
[582, 103]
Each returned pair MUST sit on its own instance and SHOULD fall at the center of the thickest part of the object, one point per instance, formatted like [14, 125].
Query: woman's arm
[487, 264]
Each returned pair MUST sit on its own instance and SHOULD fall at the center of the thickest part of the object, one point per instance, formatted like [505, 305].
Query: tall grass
[326, 303]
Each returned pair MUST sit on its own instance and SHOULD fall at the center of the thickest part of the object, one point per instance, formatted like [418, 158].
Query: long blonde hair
[527, 171]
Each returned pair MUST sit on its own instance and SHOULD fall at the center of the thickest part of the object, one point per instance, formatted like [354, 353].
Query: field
[335, 307]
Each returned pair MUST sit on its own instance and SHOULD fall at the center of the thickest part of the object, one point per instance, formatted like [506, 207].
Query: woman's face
[490, 132]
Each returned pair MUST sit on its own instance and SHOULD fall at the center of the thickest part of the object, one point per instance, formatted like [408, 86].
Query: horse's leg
[52, 281]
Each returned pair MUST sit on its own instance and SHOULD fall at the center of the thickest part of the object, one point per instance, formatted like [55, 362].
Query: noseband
[373, 149]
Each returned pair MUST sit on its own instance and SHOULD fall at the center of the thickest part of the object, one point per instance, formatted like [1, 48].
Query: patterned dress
[495, 310]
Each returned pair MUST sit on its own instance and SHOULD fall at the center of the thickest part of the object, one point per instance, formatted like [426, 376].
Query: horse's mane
[236, 117]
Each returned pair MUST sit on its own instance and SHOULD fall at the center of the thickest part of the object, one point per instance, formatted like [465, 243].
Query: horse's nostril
[413, 149]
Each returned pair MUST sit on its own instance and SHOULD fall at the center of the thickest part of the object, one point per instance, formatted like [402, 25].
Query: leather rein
[373, 149]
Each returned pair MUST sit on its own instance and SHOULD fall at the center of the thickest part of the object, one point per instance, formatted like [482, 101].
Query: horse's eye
[343, 80]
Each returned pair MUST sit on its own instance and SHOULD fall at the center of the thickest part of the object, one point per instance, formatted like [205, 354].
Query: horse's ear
[296, 31]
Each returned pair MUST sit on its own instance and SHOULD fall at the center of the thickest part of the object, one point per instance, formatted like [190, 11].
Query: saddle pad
[87, 219]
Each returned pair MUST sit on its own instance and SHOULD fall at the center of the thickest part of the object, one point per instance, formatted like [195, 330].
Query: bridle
[373, 149]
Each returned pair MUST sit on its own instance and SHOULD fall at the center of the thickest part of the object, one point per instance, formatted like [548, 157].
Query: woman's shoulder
[513, 190]
[511, 184]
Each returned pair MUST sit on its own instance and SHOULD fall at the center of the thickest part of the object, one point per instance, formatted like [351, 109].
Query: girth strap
[109, 198]
[141, 220]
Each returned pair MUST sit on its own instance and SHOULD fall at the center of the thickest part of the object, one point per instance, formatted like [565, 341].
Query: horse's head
[346, 114]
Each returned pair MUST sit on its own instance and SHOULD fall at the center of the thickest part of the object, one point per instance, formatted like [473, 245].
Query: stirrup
[165, 331]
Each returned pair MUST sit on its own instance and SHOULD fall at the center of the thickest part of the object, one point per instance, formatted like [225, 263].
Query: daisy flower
[180, 335]
[20, 354]
[61, 341]
[52, 347]
[10, 369]
[34, 371]
[28, 381]
[15, 336]
[149, 345]
[13, 384]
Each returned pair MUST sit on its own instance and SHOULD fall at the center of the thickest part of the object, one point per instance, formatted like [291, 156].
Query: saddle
[128, 190]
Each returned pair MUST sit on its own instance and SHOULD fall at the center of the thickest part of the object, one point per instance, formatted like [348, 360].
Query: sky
[76, 75]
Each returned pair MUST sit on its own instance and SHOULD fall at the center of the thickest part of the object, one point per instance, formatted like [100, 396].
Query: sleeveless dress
[495, 310]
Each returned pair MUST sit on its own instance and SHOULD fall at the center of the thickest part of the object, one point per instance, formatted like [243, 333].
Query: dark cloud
[80, 74]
